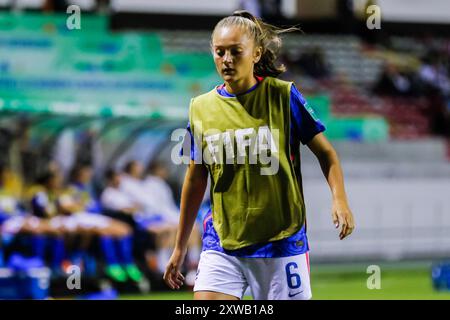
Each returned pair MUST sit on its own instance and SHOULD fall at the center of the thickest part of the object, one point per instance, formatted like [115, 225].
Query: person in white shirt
[118, 198]
[131, 184]
[156, 186]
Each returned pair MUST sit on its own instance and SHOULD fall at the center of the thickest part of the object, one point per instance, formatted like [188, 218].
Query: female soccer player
[247, 134]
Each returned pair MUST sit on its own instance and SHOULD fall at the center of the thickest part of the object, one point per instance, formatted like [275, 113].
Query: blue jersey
[82, 194]
[303, 127]
[43, 205]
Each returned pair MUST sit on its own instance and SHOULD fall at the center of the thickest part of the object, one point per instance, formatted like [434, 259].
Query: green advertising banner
[45, 67]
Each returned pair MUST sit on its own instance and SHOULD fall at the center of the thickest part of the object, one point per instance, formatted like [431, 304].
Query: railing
[395, 219]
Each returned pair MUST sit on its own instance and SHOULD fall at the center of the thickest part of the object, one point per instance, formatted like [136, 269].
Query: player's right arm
[193, 190]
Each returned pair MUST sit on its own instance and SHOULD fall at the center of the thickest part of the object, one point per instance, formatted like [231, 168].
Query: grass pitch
[404, 281]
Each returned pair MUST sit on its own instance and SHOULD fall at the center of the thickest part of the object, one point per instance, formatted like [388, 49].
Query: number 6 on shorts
[293, 278]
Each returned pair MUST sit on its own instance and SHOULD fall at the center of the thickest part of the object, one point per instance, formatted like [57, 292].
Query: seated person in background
[131, 184]
[65, 213]
[14, 220]
[116, 199]
[433, 73]
[156, 187]
[10, 192]
[392, 82]
[88, 213]
[80, 187]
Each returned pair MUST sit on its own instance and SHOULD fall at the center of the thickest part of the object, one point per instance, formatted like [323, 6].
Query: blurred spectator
[8, 195]
[6, 138]
[116, 199]
[84, 148]
[313, 63]
[435, 80]
[438, 111]
[131, 184]
[10, 192]
[27, 153]
[80, 187]
[392, 82]
[10, 182]
[156, 186]
[151, 203]
[434, 73]
[115, 202]
[44, 205]
[16, 221]
[12, 217]
[58, 204]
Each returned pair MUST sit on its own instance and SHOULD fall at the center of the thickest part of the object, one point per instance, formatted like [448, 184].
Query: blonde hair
[265, 35]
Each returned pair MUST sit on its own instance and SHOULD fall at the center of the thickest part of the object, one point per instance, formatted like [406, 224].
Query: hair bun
[244, 14]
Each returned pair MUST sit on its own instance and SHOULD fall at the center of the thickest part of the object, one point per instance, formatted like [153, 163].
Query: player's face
[136, 170]
[55, 182]
[85, 175]
[162, 172]
[115, 181]
[235, 53]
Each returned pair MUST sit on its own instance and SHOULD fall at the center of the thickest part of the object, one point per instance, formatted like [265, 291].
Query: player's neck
[240, 86]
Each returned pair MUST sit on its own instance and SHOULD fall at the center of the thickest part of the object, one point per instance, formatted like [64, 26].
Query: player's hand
[172, 276]
[343, 217]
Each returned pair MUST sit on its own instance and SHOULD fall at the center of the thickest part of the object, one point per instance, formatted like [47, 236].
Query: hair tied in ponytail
[265, 35]
[244, 14]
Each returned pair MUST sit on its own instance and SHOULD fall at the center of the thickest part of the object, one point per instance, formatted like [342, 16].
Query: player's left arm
[331, 168]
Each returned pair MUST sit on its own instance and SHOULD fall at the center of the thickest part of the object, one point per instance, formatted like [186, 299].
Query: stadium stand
[112, 97]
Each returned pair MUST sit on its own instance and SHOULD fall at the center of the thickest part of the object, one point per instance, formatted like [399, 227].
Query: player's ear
[257, 53]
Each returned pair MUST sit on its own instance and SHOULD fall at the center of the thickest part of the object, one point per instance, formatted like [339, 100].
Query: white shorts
[15, 224]
[92, 220]
[81, 219]
[64, 222]
[284, 278]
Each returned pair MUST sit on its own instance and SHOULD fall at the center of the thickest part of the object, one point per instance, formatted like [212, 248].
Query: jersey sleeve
[110, 200]
[304, 123]
[189, 144]
[39, 203]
